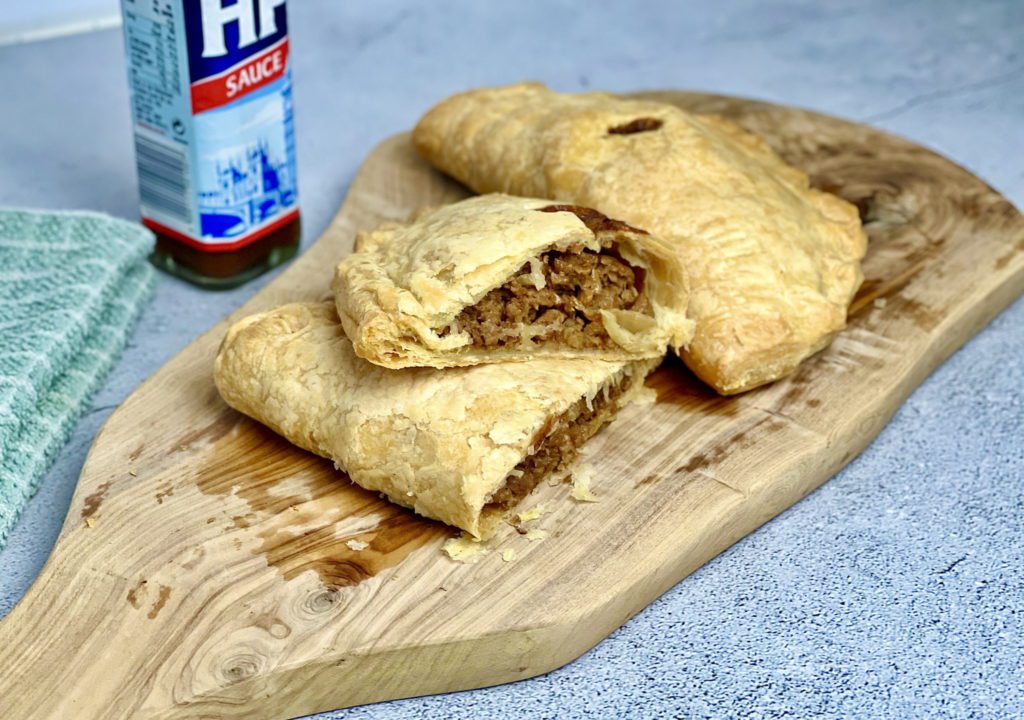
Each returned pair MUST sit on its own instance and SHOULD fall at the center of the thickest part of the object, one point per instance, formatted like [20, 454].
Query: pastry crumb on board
[508, 554]
[357, 545]
[465, 549]
[536, 534]
[582, 476]
[644, 396]
[532, 514]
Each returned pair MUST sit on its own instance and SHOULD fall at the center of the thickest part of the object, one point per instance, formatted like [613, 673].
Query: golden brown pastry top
[438, 441]
[407, 282]
[772, 263]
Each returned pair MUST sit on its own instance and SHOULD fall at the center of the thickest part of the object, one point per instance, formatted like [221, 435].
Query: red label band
[217, 247]
[254, 73]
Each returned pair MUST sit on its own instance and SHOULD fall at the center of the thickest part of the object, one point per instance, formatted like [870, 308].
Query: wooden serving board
[203, 570]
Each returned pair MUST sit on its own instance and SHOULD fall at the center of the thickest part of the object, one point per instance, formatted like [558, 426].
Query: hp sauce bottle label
[212, 101]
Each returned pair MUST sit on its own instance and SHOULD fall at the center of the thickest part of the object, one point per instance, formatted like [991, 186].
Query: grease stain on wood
[224, 422]
[133, 594]
[95, 500]
[166, 491]
[161, 599]
[648, 480]
[240, 522]
[1003, 260]
[794, 388]
[676, 385]
[924, 317]
[393, 539]
[296, 503]
[137, 452]
[911, 261]
[718, 451]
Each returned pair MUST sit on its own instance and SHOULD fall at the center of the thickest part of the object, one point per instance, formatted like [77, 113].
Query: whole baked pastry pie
[462, 445]
[497, 278]
[772, 263]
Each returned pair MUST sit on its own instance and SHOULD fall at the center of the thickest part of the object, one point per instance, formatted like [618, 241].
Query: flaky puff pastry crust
[773, 264]
[441, 442]
[406, 283]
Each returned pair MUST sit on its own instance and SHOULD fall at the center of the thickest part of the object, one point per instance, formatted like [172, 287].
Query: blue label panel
[245, 172]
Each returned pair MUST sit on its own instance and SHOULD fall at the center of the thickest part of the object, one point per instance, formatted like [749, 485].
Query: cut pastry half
[497, 278]
[464, 446]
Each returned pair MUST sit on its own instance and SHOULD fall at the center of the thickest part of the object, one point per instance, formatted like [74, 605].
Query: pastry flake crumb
[465, 549]
[581, 479]
[536, 534]
[644, 396]
[357, 545]
[532, 514]
[133, 473]
[90, 522]
[508, 554]
[880, 303]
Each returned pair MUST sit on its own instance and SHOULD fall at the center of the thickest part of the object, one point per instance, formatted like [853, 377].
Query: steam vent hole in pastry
[639, 125]
[562, 439]
[563, 309]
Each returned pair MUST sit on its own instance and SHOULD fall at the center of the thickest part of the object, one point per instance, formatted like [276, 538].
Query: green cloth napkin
[72, 285]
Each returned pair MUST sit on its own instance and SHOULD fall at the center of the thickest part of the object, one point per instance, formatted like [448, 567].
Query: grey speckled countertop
[897, 590]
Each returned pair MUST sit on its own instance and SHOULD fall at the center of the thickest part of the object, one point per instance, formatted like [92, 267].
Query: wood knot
[321, 601]
[241, 667]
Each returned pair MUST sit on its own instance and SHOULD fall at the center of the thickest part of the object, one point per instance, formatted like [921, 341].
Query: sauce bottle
[211, 96]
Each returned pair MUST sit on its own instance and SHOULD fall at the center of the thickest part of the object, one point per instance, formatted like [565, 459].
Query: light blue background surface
[897, 590]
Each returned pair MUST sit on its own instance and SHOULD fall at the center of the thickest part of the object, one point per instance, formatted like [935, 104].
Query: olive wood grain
[203, 570]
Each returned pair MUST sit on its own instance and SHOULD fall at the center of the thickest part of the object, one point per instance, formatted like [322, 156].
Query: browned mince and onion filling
[559, 447]
[578, 284]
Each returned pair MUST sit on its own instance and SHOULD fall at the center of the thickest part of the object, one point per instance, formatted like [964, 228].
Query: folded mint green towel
[71, 287]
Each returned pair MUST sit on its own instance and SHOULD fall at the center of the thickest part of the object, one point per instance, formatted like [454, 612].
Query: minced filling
[560, 442]
[575, 285]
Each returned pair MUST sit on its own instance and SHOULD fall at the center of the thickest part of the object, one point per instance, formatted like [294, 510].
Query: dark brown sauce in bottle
[217, 268]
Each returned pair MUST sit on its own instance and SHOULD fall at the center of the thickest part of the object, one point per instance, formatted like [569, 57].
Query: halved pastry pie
[772, 263]
[498, 278]
[462, 445]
